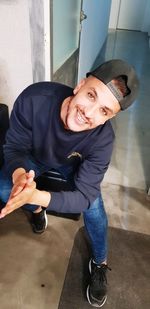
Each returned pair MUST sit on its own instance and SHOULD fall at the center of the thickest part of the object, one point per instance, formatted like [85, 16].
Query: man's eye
[104, 112]
[90, 95]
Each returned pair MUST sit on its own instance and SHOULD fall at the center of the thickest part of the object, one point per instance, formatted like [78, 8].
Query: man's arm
[87, 181]
[87, 178]
[19, 136]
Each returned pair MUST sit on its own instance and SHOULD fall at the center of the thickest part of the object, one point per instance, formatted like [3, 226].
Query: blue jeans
[95, 218]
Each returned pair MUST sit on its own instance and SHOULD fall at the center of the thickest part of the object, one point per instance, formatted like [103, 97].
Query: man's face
[92, 105]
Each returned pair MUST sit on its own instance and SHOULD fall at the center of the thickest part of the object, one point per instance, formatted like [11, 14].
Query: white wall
[15, 50]
[24, 46]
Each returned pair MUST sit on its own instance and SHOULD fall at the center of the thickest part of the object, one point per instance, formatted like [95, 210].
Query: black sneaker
[97, 289]
[39, 221]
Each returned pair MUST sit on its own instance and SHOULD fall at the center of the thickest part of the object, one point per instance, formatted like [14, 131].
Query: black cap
[110, 70]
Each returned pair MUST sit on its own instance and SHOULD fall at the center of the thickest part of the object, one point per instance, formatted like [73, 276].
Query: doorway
[65, 39]
[130, 15]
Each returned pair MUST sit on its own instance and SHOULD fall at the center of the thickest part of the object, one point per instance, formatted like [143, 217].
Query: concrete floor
[33, 266]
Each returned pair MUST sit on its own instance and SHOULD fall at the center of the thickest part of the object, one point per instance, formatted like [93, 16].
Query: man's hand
[20, 179]
[22, 191]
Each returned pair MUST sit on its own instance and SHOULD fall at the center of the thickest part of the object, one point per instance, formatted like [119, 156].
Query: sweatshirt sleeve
[19, 136]
[87, 179]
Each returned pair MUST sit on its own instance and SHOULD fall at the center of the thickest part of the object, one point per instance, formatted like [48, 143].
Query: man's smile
[80, 117]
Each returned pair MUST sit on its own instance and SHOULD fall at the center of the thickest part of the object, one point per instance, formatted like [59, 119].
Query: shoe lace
[99, 273]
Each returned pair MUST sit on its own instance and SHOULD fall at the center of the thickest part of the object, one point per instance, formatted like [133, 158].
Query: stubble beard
[67, 114]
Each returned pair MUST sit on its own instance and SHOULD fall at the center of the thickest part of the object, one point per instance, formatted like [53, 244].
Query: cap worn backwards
[112, 69]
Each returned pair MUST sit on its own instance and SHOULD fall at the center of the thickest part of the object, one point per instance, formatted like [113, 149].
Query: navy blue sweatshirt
[36, 129]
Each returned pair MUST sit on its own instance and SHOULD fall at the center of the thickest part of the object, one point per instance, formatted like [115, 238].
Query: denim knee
[96, 212]
[5, 186]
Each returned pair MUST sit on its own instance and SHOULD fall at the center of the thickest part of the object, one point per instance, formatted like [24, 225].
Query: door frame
[115, 10]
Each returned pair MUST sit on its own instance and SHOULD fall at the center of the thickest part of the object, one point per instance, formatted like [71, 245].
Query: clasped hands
[23, 191]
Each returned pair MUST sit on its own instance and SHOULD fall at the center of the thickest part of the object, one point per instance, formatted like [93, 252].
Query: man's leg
[5, 186]
[96, 224]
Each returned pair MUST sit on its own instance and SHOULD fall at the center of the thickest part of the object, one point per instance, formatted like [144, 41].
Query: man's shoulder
[106, 130]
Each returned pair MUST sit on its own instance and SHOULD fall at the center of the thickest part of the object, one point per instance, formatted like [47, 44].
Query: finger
[30, 176]
[10, 207]
[2, 215]
[6, 212]
[22, 197]
[31, 173]
[12, 200]
[29, 181]
[3, 212]
[17, 190]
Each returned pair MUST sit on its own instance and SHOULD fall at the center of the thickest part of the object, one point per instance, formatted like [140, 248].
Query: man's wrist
[41, 198]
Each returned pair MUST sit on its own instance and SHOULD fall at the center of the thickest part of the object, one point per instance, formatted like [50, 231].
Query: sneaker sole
[90, 267]
[46, 220]
[95, 304]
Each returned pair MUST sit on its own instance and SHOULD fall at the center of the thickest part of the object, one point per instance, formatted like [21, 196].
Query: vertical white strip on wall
[36, 13]
[114, 14]
[47, 40]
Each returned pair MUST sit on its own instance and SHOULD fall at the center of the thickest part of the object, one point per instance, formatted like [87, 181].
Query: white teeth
[80, 118]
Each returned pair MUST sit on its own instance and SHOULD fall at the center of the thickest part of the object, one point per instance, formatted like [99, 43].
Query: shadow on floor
[128, 281]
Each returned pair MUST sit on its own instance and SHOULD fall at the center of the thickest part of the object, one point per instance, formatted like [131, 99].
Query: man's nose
[91, 110]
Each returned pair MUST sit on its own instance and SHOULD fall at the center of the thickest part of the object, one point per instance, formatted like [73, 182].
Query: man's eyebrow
[95, 92]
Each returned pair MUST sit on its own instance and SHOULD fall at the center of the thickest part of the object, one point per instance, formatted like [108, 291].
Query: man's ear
[79, 85]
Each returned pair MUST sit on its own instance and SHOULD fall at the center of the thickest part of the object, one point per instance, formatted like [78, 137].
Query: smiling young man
[53, 126]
